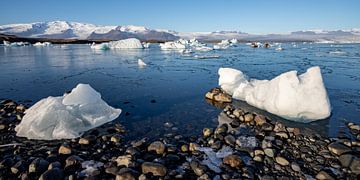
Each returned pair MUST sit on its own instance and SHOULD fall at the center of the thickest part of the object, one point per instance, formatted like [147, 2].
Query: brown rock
[233, 161]
[65, 149]
[157, 146]
[155, 168]
[338, 148]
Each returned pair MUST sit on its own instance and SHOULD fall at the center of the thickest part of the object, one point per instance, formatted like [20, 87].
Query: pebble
[260, 120]
[207, 132]
[233, 161]
[123, 160]
[230, 140]
[282, 161]
[157, 146]
[322, 175]
[65, 149]
[338, 148]
[52, 174]
[38, 165]
[269, 152]
[155, 168]
[248, 117]
[295, 167]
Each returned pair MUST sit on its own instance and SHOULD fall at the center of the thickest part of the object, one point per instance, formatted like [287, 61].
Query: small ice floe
[279, 48]
[337, 52]
[213, 159]
[66, 117]
[141, 63]
[15, 44]
[234, 41]
[203, 48]
[301, 98]
[206, 57]
[185, 44]
[172, 45]
[42, 44]
[256, 44]
[91, 168]
[146, 45]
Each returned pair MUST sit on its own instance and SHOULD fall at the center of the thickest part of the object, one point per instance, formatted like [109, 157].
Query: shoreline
[252, 146]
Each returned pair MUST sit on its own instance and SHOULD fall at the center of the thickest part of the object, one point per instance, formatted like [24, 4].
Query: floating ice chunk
[234, 41]
[301, 98]
[67, 116]
[172, 45]
[203, 48]
[214, 159]
[14, 44]
[141, 63]
[42, 44]
[186, 51]
[102, 46]
[90, 168]
[131, 43]
[146, 45]
[279, 48]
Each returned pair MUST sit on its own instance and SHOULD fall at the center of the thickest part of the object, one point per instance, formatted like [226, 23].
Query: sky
[260, 16]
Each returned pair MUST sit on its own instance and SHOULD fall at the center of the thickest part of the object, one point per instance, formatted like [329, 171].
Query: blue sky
[260, 16]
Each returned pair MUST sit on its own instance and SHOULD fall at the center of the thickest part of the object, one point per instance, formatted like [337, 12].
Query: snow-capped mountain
[75, 30]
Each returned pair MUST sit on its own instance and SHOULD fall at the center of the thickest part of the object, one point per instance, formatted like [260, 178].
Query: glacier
[301, 98]
[67, 116]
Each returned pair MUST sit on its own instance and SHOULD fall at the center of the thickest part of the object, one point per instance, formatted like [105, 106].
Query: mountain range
[86, 31]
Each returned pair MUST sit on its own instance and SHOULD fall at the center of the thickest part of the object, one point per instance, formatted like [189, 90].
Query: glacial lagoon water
[171, 88]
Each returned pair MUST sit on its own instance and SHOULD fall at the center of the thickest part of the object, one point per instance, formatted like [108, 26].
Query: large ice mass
[131, 43]
[185, 44]
[301, 98]
[66, 117]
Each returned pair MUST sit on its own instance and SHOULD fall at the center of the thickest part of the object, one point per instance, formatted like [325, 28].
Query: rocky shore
[245, 145]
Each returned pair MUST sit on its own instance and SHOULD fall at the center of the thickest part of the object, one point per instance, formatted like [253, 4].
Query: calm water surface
[172, 87]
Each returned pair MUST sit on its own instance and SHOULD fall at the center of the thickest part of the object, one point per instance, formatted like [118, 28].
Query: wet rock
[282, 135]
[322, 175]
[282, 161]
[233, 160]
[267, 127]
[197, 168]
[269, 152]
[355, 165]
[126, 174]
[38, 165]
[219, 95]
[260, 120]
[185, 148]
[65, 149]
[338, 148]
[155, 168]
[157, 146]
[115, 138]
[248, 117]
[193, 146]
[295, 167]
[84, 141]
[18, 168]
[207, 132]
[238, 112]
[73, 160]
[230, 140]
[55, 164]
[279, 127]
[168, 125]
[258, 158]
[221, 129]
[52, 174]
[123, 160]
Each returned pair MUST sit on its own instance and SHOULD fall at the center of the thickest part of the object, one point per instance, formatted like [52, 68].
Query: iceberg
[172, 45]
[131, 43]
[301, 98]
[183, 44]
[66, 117]
[42, 44]
[15, 44]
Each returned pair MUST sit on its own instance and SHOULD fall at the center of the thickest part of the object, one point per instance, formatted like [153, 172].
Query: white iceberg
[146, 45]
[131, 43]
[234, 41]
[301, 98]
[42, 44]
[101, 46]
[15, 44]
[66, 117]
[172, 45]
[141, 63]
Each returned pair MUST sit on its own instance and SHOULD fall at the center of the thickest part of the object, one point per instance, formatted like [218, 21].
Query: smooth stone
[229, 139]
[355, 165]
[185, 148]
[267, 127]
[346, 159]
[193, 146]
[258, 158]
[338, 148]
[53, 165]
[155, 168]
[279, 127]
[157, 146]
[233, 160]
[269, 152]
[115, 138]
[18, 167]
[248, 117]
[295, 167]
[65, 149]
[282, 135]
[217, 94]
[238, 112]
[260, 120]
[197, 168]
[282, 161]
[322, 175]
[207, 132]
[73, 160]
[123, 160]
[38, 165]
[84, 141]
